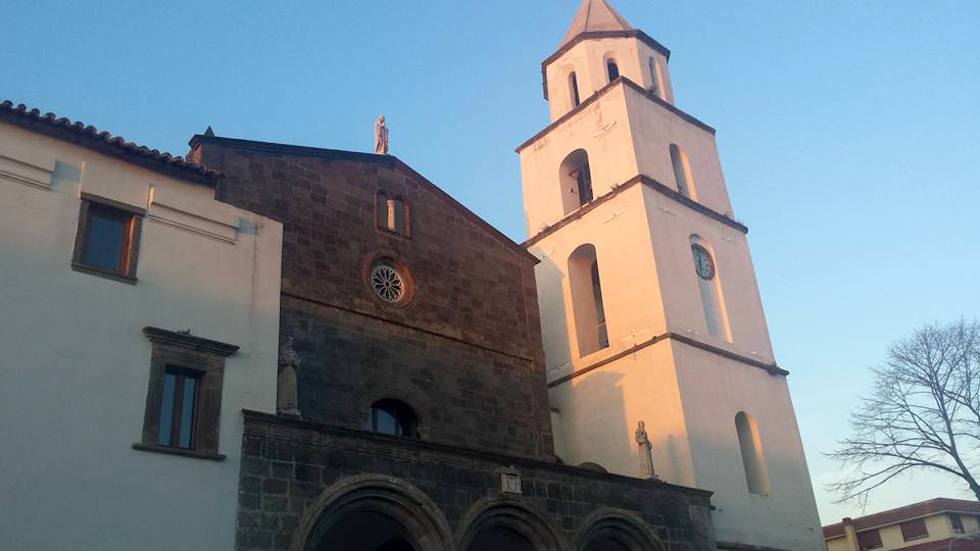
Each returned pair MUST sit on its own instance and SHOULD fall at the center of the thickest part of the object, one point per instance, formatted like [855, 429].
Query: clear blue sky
[848, 133]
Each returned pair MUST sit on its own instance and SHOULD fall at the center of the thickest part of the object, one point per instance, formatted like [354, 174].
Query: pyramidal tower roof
[595, 16]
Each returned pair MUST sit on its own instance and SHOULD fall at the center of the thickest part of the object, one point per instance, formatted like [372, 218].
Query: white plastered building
[138, 317]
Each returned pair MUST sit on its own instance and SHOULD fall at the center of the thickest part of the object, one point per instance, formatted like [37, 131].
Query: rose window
[387, 283]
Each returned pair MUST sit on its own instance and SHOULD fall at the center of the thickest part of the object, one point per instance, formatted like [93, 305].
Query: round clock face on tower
[703, 263]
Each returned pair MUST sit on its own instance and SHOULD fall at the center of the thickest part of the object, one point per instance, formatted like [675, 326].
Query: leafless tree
[923, 413]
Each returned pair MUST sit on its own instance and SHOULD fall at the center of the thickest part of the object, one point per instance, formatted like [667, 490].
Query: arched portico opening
[372, 513]
[614, 530]
[501, 523]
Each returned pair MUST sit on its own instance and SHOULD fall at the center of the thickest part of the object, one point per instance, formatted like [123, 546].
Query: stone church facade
[453, 365]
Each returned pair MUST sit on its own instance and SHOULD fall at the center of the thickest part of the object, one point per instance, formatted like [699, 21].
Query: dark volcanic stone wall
[287, 465]
[465, 353]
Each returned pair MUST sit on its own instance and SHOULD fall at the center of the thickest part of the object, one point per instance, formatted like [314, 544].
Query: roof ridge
[595, 16]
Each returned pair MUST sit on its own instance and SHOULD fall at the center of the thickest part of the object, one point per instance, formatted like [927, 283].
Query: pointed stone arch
[411, 517]
[507, 518]
[608, 529]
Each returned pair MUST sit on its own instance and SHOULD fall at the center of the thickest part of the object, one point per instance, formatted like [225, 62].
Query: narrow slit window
[682, 171]
[575, 178]
[753, 458]
[612, 70]
[391, 213]
[573, 90]
[657, 80]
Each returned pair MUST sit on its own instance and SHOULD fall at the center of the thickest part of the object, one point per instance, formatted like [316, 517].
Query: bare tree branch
[923, 413]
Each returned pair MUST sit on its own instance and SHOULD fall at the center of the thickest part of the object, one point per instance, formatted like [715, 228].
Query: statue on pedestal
[287, 402]
[646, 451]
[380, 136]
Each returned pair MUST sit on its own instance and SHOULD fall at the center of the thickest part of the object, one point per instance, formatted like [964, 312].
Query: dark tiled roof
[90, 137]
[901, 514]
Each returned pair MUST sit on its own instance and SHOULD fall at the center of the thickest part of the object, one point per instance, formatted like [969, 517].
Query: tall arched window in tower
[682, 171]
[715, 312]
[612, 69]
[586, 294]
[576, 180]
[753, 458]
[573, 89]
[657, 79]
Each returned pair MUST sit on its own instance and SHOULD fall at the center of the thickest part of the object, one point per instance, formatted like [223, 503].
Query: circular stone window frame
[392, 260]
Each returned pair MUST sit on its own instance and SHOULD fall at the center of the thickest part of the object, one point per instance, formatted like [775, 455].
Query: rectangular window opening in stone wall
[391, 214]
[107, 239]
[183, 399]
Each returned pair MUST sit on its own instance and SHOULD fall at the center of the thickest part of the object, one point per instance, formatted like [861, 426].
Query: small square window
[870, 539]
[914, 529]
[107, 241]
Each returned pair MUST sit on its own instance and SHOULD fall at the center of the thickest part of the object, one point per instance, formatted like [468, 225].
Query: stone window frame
[171, 350]
[135, 229]
[392, 200]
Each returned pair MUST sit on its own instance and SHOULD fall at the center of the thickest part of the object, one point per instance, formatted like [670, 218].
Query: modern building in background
[650, 310]
[935, 525]
[139, 316]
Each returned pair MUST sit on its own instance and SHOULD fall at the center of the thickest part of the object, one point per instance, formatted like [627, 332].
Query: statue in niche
[646, 451]
[380, 136]
[287, 402]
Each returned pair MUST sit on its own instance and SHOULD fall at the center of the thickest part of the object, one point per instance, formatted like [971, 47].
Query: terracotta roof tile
[104, 142]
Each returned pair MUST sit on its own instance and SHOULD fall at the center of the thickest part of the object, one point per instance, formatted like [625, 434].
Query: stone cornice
[599, 35]
[772, 368]
[601, 92]
[396, 442]
[652, 184]
[183, 340]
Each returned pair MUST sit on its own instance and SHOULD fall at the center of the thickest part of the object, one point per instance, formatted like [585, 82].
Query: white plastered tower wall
[663, 363]
[75, 364]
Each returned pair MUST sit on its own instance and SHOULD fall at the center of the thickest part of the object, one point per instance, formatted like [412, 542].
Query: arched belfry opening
[585, 287]
[575, 177]
[612, 69]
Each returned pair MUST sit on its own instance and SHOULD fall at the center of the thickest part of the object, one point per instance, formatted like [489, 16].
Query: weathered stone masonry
[465, 354]
[288, 463]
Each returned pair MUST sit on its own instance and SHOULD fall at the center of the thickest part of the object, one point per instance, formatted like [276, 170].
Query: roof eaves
[90, 137]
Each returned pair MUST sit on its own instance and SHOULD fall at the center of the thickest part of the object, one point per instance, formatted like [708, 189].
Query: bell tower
[649, 305]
